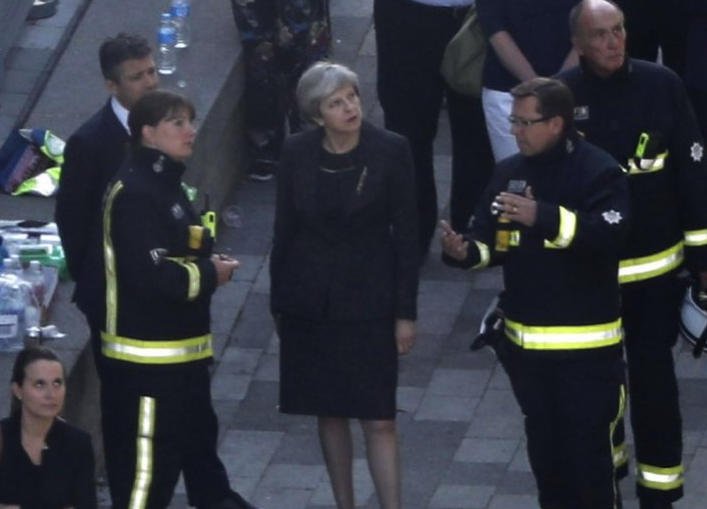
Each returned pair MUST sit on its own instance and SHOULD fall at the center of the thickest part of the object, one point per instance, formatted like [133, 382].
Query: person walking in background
[555, 216]
[657, 28]
[527, 38]
[344, 277]
[639, 112]
[160, 273]
[411, 36]
[45, 462]
[280, 39]
[92, 156]
[696, 60]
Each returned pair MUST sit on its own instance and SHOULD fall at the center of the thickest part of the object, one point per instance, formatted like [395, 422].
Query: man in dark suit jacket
[92, 156]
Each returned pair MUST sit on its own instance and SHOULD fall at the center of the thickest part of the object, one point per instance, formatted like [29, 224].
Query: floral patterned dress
[280, 39]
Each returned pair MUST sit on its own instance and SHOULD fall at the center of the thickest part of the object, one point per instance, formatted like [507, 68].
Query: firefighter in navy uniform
[555, 216]
[156, 342]
[639, 113]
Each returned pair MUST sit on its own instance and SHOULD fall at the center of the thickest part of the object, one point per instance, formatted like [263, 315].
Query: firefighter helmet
[693, 322]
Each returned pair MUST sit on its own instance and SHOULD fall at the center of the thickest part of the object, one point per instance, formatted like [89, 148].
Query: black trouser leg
[650, 316]
[571, 409]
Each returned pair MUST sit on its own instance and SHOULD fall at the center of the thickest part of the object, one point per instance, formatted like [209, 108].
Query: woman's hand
[405, 331]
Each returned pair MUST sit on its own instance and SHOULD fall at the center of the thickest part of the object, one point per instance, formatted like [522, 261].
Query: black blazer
[368, 270]
[64, 479]
[92, 156]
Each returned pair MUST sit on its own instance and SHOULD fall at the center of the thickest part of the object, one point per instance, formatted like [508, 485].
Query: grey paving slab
[478, 474]
[300, 447]
[497, 416]
[513, 502]
[226, 304]
[41, 36]
[250, 265]
[28, 59]
[247, 453]
[441, 301]
[12, 103]
[240, 360]
[356, 8]
[368, 48]
[487, 450]
[409, 398]
[458, 382]
[229, 386]
[283, 498]
[520, 462]
[19, 81]
[463, 496]
[516, 483]
[7, 122]
[456, 355]
[282, 475]
[435, 407]
[363, 486]
[349, 32]
[268, 369]
[255, 326]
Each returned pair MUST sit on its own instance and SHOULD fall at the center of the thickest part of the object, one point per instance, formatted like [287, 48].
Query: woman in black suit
[344, 272]
[45, 463]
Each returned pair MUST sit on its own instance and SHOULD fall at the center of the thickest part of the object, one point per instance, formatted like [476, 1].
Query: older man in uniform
[639, 113]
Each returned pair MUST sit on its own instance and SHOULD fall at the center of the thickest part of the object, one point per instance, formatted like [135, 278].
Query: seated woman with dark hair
[45, 463]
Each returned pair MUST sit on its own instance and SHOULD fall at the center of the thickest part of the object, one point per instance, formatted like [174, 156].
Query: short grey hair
[320, 81]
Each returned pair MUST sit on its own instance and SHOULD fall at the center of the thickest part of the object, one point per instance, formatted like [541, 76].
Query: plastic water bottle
[35, 277]
[12, 314]
[180, 10]
[166, 37]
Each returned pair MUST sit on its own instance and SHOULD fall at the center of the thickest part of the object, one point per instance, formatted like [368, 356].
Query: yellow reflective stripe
[647, 165]
[144, 454]
[619, 452]
[193, 273]
[646, 267]
[484, 255]
[696, 238]
[156, 352]
[109, 258]
[564, 337]
[620, 455]
[659, 478]
[514, 238]
[194, 280]
[568, 227]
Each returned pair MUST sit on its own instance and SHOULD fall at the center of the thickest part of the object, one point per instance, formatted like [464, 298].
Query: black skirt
[338, 369]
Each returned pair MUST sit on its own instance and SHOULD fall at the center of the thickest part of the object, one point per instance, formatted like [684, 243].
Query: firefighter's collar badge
[612, 216]
[696, 152]
[177, 211]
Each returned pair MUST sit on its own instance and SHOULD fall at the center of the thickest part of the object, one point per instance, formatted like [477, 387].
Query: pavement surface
[460, 429]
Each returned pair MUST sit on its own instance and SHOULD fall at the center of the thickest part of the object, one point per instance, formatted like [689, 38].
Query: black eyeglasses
[522, 122]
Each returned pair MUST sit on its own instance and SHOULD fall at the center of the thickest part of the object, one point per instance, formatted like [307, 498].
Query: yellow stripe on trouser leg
[659, 478]
[144, 454]
[619, 452]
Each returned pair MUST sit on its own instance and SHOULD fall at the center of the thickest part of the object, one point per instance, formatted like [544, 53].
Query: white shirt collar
[121, 112]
